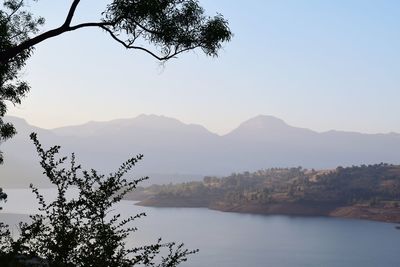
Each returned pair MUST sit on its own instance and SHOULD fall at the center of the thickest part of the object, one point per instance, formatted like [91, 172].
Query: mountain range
[175, 151]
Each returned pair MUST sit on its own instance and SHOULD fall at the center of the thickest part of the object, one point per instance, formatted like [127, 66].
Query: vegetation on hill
[295, 191]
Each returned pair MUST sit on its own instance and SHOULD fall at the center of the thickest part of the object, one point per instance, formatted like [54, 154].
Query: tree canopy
[161, 28]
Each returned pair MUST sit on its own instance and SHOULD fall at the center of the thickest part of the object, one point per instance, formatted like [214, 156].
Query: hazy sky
[317, 64]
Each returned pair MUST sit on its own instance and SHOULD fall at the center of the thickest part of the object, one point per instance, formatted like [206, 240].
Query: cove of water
[237, 240]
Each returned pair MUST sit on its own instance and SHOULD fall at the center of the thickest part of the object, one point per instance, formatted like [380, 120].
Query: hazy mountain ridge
[175, 149]
[148, 122]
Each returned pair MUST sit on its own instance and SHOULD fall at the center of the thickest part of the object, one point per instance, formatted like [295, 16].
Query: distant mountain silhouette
[176, 152]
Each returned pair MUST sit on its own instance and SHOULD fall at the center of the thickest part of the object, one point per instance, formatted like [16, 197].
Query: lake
[237, 240]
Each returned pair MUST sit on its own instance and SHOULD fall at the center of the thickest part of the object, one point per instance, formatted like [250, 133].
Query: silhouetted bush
[78, 229]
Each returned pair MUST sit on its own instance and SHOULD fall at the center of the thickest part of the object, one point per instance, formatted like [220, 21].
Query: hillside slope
[365, 192]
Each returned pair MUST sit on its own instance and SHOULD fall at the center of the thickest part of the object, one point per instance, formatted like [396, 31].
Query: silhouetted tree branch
[166, 27]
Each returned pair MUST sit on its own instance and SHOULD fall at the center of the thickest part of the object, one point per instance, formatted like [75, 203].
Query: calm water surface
[237, 240]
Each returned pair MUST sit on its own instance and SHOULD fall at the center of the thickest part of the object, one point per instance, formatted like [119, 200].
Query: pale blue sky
[316, 64]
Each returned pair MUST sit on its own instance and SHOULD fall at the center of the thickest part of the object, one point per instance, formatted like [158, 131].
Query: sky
[315, 64]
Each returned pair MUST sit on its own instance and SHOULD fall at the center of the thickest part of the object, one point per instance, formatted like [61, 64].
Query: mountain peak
[263, 122]
[268, 127]
[153, 118]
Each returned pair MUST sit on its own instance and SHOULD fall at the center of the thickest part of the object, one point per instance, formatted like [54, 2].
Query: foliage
[342, 186]
[161, 28]
[3, 196]
[4, 232]
[78, 227]
[16, 26]
[174, 26]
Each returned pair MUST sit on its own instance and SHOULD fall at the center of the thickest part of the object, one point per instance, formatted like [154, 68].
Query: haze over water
[236, 240]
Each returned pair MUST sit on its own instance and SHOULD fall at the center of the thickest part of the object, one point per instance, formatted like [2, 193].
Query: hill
[364, 192]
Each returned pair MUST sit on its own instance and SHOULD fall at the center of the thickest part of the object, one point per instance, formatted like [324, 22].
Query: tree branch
[15, 10]
[145, 28]
[71, 13]
[91, 24]
[129, 46]
[14, 51]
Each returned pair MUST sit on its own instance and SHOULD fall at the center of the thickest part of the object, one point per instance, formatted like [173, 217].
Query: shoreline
[359, 212]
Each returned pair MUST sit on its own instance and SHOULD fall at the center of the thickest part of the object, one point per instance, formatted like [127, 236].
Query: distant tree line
[351, 185]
